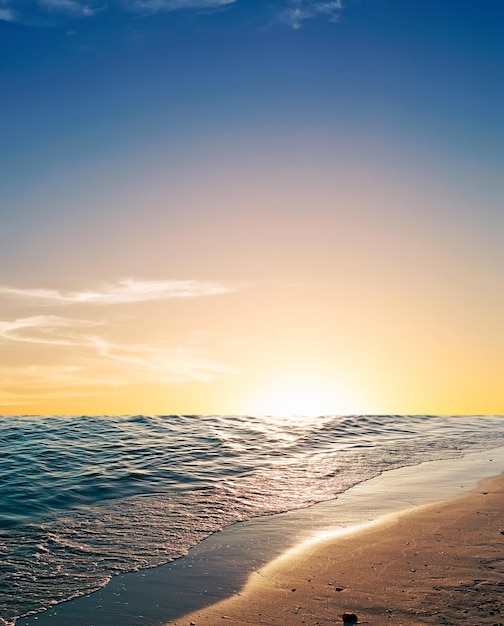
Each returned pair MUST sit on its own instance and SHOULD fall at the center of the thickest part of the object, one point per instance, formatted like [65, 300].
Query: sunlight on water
[86, 498]
[274, 429]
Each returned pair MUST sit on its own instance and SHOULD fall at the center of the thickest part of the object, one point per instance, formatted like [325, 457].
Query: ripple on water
[89, 497]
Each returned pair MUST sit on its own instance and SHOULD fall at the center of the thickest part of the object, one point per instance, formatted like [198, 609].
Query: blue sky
[220, 141]
[90, 80]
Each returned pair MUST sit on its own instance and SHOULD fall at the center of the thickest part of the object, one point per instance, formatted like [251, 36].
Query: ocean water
[86, 498]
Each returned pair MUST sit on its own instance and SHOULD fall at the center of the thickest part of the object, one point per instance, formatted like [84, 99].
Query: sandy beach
[437, 564]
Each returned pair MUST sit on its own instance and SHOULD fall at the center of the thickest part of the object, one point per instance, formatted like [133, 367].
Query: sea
[86, 498]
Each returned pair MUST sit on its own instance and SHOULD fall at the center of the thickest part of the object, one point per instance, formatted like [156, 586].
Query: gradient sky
[251, 206]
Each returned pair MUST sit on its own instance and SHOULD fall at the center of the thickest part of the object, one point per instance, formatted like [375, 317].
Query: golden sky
[295, 289]
[249, 211]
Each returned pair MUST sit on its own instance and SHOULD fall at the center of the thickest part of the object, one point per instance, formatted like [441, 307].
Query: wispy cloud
[45, 330]
[7, 15]
[298, 11]
[52, 356]
[123, 292]
[153, 364]
[163, 6]
[25, 385]
[80, 358]
[46, 12]
[36, 395]
[70, 7]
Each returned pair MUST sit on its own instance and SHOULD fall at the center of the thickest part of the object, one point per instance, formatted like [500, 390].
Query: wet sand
[219, 566]
[441, 563]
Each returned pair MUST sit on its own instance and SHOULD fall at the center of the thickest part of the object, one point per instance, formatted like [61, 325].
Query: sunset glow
[242, 208]
[301, 396]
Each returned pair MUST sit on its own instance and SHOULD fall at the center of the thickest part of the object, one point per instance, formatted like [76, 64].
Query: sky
[251, 207]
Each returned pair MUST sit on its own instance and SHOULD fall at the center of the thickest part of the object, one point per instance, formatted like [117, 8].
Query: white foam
[408, 487]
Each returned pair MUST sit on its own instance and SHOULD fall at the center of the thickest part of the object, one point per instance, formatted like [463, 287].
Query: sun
[302, 396]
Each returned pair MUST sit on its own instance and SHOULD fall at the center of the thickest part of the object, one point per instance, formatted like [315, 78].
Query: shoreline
[219, 566]
[442, 563]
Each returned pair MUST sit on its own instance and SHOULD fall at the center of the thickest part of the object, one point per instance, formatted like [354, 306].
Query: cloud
[25, 386]
[49, 12]
[69, 7]
[45, 330]
[64, 356]
[79, 358]
[7, 15]
[299, 11]
[125, 291]
[163, 6]
[23, 397]
[30, 384]
[153, 364]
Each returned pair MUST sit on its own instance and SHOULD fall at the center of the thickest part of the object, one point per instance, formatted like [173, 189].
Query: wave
[85, 498]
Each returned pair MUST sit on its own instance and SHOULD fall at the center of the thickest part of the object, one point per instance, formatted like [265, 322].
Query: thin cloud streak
[33, 398]
[126, 291]
[300, 11]
[30, 384]
[69, 353]
[50, 12]
[33, 383]
[91, 360]
[69, 7]
[44, 330]
[163, 6]
[161, 365]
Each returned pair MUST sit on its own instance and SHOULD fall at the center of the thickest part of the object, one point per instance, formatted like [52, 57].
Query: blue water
[85, 498]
